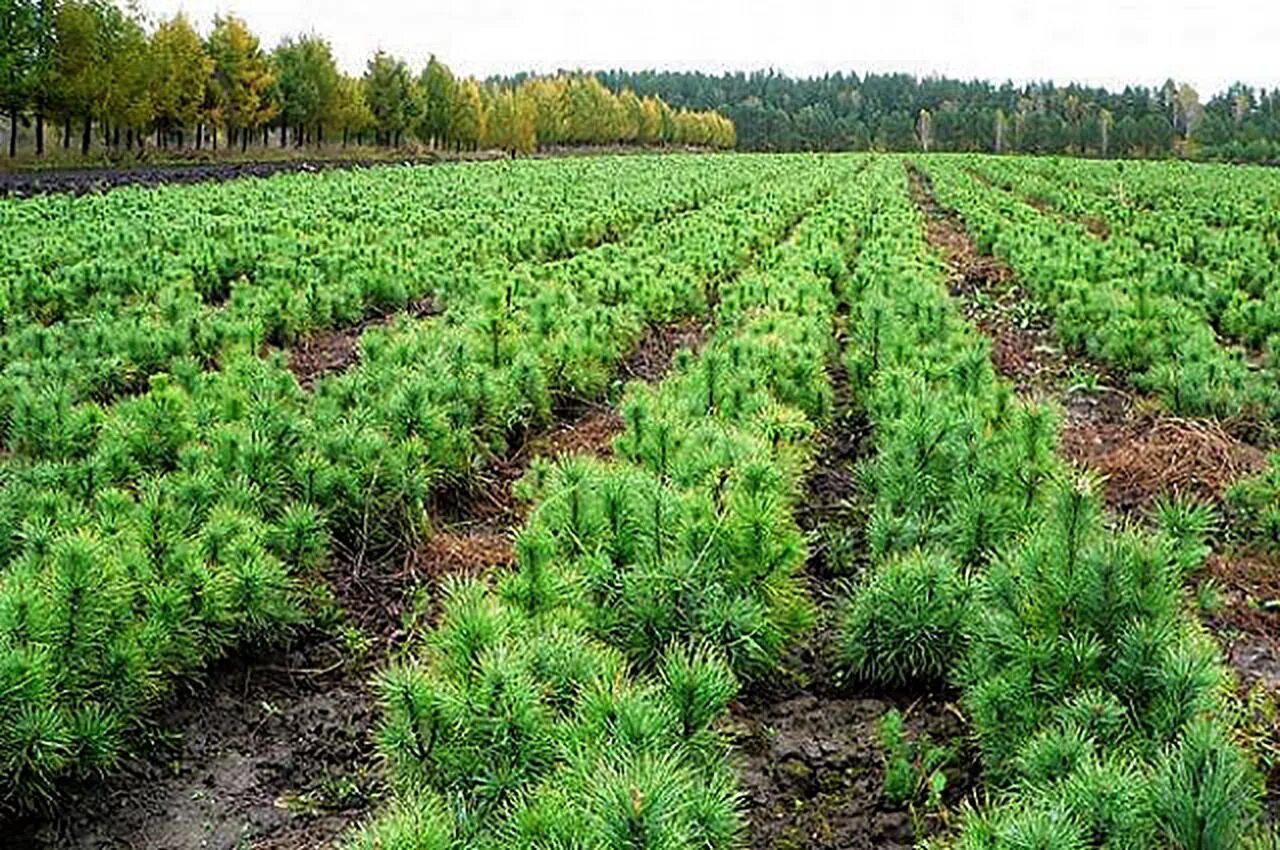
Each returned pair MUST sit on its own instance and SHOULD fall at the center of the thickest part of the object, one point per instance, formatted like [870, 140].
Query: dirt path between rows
[1141, 452]
[808, 745]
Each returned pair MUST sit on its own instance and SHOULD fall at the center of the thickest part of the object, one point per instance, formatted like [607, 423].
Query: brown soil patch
[652, 358]
[1024, 346]
[592, 434]
[1248, 626]
[455, 552]
[327, 352]
[1249, 621]
[812, 769]
[1142, 455]
[324, 353]
[1096, 226]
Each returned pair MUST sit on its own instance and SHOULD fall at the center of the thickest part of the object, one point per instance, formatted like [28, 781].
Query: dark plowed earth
[1249, 621]
[808, 749]
[332, 351]
[84, 181]
[812, 768]
[652, 358]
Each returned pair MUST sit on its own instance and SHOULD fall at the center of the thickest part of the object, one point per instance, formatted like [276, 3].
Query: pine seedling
[906, 622]
[1109, 799]
[642, 804]
[417, 821]
[471, 623]
[415, 719]
[1054, 754]
[698, 684]
[1189, 524]
[1204, 795]
[299, 538]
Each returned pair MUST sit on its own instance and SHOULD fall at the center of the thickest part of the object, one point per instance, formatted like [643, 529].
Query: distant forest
[774, 112]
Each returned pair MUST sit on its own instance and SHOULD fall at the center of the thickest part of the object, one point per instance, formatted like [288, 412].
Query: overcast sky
[1106, 42]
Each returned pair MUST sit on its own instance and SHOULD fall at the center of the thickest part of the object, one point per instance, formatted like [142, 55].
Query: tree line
[774, 112]
[120, 82]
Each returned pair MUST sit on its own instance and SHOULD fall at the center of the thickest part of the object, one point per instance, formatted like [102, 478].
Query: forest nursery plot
[239, 467]
[93, 310]
[171, 496]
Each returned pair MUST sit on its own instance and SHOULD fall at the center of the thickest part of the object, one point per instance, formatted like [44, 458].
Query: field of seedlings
[687, 502]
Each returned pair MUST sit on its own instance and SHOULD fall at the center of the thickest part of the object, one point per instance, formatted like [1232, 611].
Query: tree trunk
[199, 136]
[213, 138]
[320, 135]
[284, 129]
[66, 134]
[346, 133]
[244, 139]
[182, 134]
[128, 138]
[13, 133]
[39, 133]
[87, 136]
[115, 137]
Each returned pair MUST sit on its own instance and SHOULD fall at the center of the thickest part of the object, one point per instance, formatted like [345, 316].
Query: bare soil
[807, 746]
[812, 767]
[652, 358]
[332, 351]
[1249, 621]
[1144, 455]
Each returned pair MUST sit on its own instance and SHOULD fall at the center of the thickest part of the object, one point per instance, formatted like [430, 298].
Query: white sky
[1099, 42]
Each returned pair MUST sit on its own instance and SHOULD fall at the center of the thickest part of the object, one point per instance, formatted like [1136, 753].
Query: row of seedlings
[226, 285]
[1095, 699]
[206, 509]
[571, 703]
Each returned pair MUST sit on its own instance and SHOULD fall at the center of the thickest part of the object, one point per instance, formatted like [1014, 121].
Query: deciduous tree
[18, 46]
[389, 92]
[436, 87]
[181, 68]
[242, 79]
